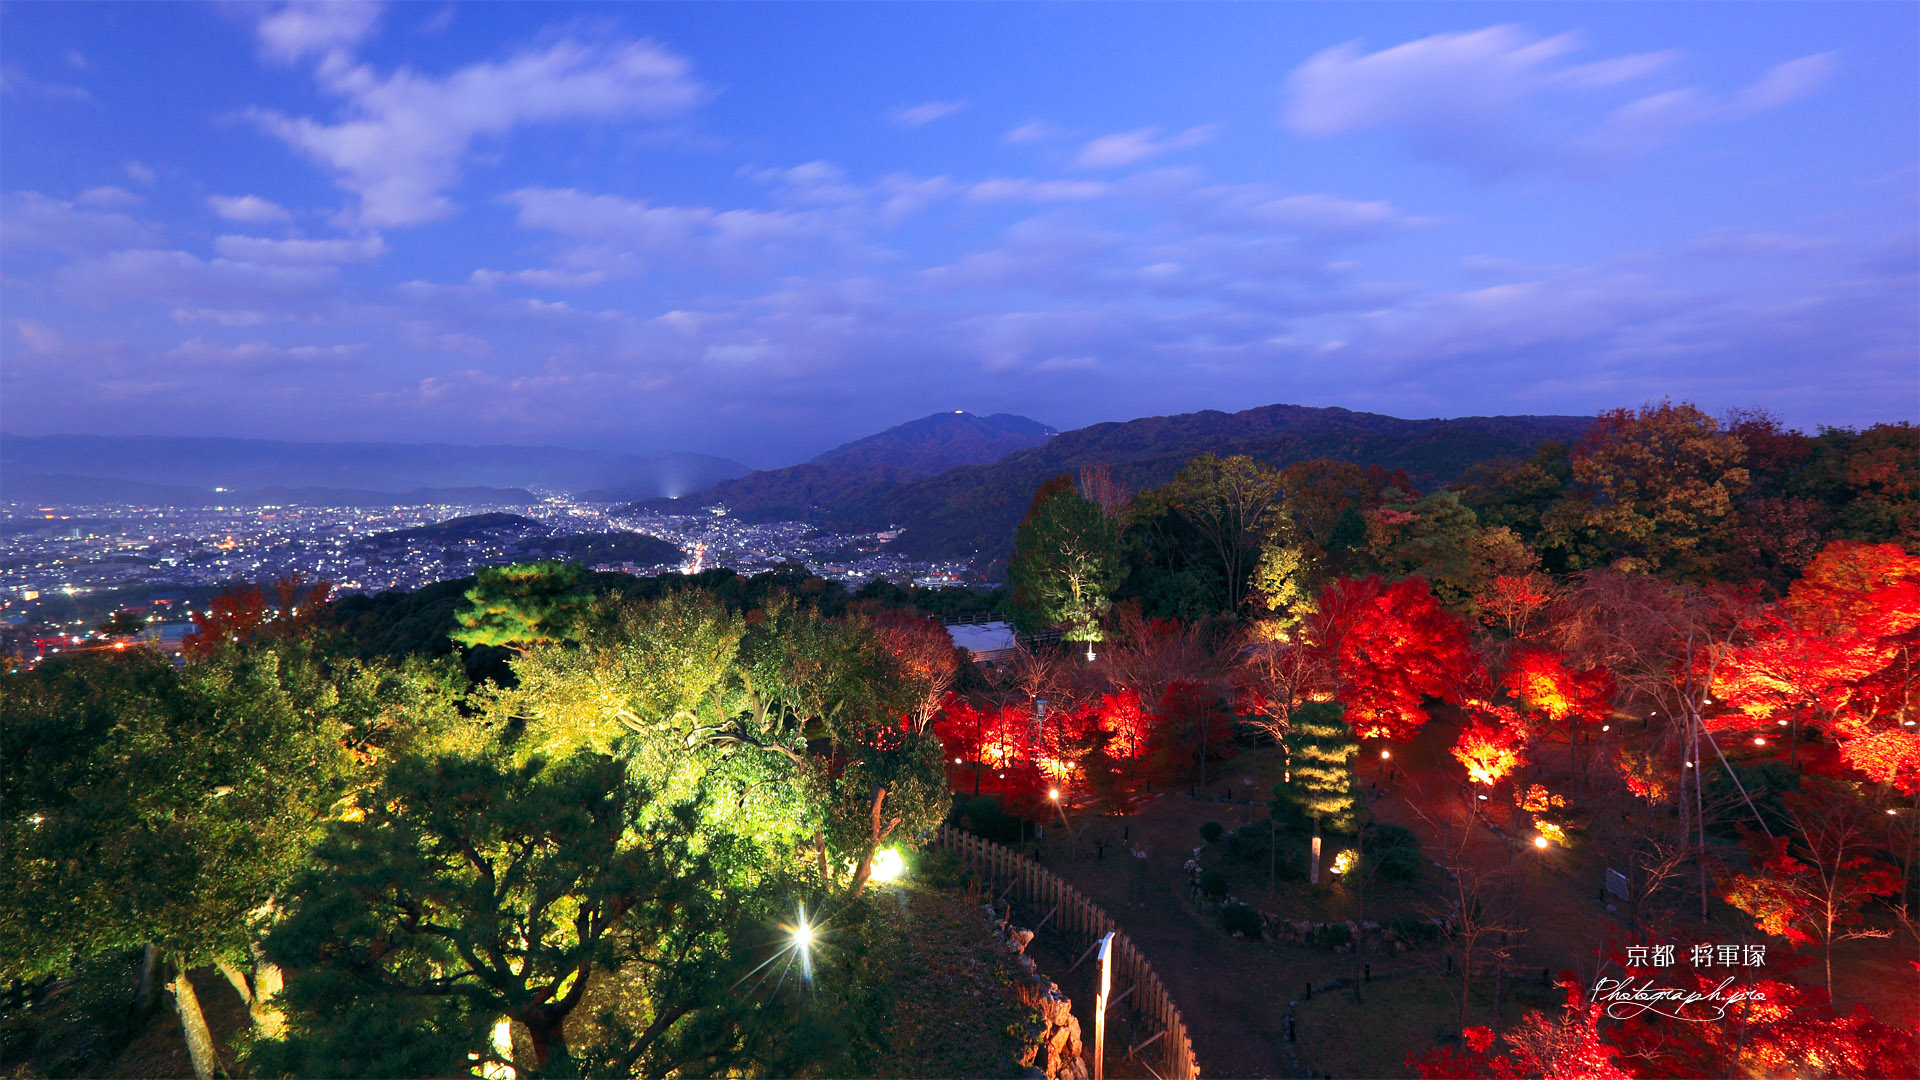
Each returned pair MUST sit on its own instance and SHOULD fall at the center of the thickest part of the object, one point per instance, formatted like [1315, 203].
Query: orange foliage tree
[1839, 650]
[244, 612]
[1489, 750]
[924, 653]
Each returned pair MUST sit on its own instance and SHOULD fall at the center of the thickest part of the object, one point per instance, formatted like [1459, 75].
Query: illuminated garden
[1602, 763]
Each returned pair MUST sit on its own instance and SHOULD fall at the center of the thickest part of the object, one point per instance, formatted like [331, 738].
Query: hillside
[975, 509]
[865, 468]
[524, 539]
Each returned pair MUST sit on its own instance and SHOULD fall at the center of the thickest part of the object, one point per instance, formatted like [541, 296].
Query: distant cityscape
[48, 552]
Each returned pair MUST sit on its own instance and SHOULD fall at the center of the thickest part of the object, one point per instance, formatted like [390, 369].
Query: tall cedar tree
[1065, 563]
[1231, 501]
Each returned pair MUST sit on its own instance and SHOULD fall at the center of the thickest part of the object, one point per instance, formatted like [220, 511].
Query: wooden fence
[1058, 908]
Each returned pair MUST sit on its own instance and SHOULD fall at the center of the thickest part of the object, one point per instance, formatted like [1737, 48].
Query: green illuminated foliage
[1065, 563]
[523, 604]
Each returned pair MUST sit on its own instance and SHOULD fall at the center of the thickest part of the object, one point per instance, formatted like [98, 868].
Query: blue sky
[762, 230]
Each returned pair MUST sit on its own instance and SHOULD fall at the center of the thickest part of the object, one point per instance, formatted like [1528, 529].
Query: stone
[1018, 939]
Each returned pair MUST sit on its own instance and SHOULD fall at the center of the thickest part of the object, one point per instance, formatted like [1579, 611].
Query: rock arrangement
[1370, 935]
[1053, 1052]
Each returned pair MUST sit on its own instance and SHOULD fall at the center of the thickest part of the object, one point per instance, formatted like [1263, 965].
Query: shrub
[983, 815]
[1213, 884]
[1387, 837]
[1335, 934]
[1397, 864]
[1249, 842]
[1415, 931]
[1210, 832]
[1241, 919]
[1393, 853]
[940, 867]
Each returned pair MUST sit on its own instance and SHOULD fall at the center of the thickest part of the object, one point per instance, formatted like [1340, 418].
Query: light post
[1100, 1008]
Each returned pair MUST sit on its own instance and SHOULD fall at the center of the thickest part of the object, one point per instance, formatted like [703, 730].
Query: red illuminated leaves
[1568, 1045]
[1389, 647]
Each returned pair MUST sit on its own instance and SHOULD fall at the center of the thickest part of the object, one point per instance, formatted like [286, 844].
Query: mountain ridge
[972, 510]
[868, 466]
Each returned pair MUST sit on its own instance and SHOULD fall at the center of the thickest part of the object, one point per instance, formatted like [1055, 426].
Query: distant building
[986, 642]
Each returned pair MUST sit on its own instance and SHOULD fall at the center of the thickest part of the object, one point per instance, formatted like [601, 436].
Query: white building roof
[984, 639]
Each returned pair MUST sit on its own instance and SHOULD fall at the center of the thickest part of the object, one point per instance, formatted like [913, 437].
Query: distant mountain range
[973, 509]
[867, 467]
[957, 483]
[78, 469]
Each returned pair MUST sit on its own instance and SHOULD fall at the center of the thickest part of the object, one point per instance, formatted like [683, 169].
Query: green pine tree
[522, 604]
[1321, 748]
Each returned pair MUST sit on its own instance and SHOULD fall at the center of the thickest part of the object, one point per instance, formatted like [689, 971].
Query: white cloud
[1040, 191]
[40, 337]
[29, 219]
[656, 229]
[251, 209]
[305, 27]
[1786, 82]
[220, 316]
[181, 279]
[1446, 77]
[400, 148]
[254, 249]
[15, 81]
[108, 197]
[141, 172]
[1474, 98]
[542, 278]
[1030, 132]
[917, 116]
[200, 351]
[1131, 147]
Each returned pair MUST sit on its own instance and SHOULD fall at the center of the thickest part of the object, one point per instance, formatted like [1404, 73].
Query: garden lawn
[1401, 1016]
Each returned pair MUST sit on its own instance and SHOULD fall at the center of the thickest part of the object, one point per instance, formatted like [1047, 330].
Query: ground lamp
[887, 865]
[1054, 795]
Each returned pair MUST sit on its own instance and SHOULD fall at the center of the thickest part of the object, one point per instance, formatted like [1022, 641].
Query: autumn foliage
[245, 612]
[1388, 648]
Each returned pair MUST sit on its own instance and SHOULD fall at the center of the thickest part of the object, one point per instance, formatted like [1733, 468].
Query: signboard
[1617, 884]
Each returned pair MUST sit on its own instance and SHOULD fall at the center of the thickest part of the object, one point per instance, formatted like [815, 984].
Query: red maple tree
[1390, 647]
